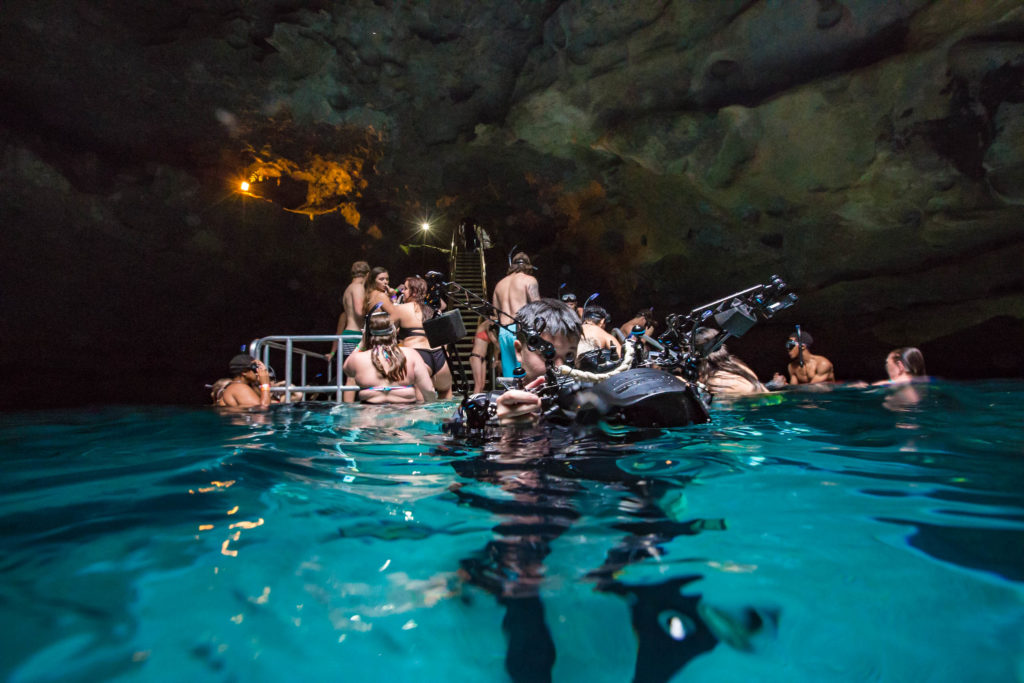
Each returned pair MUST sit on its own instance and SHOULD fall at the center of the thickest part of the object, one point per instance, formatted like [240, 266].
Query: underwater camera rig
[678, 348]
[643, 388]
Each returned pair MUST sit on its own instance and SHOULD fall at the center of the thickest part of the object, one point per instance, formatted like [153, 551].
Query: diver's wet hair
[555, 317]
[594, 314]
[912, 359]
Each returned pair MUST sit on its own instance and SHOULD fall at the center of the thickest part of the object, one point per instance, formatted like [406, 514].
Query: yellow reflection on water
[246, 525]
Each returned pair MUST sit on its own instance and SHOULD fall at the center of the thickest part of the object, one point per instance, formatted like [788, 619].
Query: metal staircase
[468, 268]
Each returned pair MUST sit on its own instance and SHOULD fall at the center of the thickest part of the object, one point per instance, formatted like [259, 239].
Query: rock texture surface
[869, 151]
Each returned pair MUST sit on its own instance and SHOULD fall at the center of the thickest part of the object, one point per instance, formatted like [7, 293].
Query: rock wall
[666, 153]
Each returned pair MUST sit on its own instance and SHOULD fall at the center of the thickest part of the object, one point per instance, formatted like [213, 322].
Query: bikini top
[411, 332]
[427, 312]
[383, 389]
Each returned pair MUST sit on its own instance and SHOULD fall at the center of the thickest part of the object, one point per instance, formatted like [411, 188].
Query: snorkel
[800, 346]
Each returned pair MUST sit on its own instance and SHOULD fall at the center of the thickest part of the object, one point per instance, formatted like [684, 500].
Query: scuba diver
[659, 388]
[546, 465]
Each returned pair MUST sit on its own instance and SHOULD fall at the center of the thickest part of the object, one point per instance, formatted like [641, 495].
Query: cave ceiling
[871, 152]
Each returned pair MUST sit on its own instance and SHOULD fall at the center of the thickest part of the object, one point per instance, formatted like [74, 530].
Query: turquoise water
[856, 535]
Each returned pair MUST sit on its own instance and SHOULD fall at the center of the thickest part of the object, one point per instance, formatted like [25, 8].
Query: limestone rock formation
[662, 152]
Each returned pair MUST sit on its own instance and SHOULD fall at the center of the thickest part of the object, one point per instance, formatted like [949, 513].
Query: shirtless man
[350, 322]
[386, 372]
[249, 385]
[512, 292]
[804, 366]
[594, 335]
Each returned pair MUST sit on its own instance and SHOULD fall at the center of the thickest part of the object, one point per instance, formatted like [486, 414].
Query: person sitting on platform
[594, 335]
[723, 373]
[384, 371]
[410, 316]
[248, 386]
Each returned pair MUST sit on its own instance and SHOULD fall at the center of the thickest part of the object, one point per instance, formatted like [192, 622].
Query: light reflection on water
[856, 534]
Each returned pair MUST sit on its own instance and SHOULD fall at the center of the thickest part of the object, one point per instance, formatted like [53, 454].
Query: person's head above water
[796, 340]
[378, 330]
[240, 364]
[904, 363]
[550, 321]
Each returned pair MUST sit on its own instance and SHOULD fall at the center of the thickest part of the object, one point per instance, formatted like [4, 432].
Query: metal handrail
[483, 262]
[260, 348]
[453, 256]
[453, 259]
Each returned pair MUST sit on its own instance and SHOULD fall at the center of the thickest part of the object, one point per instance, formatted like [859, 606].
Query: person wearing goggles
[804, 366]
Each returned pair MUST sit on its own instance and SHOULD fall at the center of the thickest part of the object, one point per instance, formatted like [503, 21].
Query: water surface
[860, 535]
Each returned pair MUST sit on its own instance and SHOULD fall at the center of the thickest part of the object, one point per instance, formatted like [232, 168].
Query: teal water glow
[855, 535]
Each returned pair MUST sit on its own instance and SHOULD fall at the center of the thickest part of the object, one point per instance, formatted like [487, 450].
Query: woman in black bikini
[410, 316]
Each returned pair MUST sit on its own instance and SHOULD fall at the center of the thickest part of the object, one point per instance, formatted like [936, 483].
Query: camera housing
[733, 315]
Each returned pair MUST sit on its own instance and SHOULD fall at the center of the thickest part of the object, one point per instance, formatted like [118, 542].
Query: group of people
[388, 356]
[384, 346]
[399, 364]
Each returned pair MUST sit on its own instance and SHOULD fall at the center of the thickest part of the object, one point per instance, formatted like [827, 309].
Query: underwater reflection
[542, 479]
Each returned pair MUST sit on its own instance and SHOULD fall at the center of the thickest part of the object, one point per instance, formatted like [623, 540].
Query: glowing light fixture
[425, 226]
[244, 186]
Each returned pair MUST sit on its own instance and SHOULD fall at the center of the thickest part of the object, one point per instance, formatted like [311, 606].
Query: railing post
[288, 371]
[338, 375]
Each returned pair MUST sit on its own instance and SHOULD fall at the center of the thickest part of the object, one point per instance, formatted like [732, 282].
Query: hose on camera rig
[584, 376]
